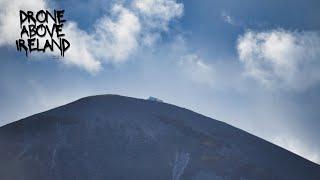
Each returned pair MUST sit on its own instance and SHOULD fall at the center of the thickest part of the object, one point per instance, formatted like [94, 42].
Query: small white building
[154, 99]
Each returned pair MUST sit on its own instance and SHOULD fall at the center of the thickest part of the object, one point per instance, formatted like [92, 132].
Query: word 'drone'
[42, 31]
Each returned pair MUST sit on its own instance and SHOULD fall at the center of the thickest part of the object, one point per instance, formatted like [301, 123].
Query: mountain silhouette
[111, 137]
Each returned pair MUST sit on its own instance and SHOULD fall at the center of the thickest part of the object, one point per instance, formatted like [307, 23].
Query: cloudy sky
[253, 64]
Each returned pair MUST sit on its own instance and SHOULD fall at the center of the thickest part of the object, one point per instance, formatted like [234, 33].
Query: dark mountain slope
[114, 137]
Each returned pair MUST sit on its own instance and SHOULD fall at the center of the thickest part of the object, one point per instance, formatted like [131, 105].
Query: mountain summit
[115, 137]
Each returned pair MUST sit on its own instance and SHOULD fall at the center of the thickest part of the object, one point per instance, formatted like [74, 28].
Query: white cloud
[156, 16]
[80, 53]
[115, 36]
[227, 18]
[197, 70]
[296, 146]
[158, 13]
[115, 39]
[9, 17]
[280, 58]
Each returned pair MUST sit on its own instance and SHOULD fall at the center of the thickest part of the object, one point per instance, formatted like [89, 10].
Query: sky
[252, 64]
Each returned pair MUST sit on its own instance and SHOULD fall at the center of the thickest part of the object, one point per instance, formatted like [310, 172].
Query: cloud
[114, 38]
[156, 16]
[80, 52]
[9, 17]
[280, 58]
[227, 18]
[158, 13]
[197, 70]
[117, 37]
[296, 146]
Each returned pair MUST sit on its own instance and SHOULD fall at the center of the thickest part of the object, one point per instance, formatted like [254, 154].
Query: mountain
[112, 137]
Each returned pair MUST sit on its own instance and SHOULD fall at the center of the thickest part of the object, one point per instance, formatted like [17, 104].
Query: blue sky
[252, 64]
